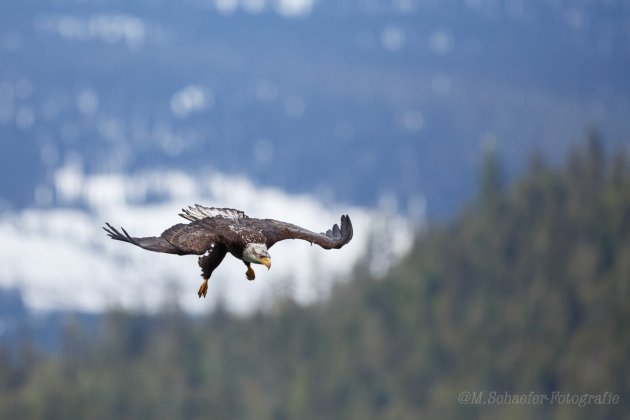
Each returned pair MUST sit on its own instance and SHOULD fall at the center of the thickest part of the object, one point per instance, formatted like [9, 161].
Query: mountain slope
[524, 292]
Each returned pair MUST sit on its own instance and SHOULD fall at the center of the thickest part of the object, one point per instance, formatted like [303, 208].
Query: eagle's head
[257, 254]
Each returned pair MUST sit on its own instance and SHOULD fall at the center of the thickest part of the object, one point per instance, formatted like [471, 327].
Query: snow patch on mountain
[59, 257]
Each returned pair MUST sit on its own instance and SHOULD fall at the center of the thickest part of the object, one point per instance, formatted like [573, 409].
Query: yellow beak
[266, 262]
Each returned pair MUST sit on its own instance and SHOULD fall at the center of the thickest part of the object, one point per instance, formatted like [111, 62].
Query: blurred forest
[526, 289]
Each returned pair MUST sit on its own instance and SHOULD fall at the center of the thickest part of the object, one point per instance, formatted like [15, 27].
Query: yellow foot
[250, 274]
[203, 289]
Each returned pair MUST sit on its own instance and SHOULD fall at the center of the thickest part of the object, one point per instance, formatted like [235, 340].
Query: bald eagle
[213, 232]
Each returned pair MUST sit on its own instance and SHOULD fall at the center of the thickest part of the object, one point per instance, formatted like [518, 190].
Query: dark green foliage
[527, 290]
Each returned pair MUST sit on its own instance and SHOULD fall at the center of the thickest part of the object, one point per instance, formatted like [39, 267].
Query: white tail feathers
[198, 212]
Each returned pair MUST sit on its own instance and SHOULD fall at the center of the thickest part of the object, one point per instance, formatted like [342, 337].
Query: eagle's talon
[250, 274]
[203, 289]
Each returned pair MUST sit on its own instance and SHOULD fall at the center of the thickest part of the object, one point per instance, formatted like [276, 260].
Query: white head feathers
[253, 252]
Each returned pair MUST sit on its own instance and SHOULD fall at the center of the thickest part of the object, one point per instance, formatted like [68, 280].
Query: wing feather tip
[109, 233]
[346, 229]
[113, 233]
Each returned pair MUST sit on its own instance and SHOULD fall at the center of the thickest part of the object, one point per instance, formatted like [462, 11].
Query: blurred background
[480, 147]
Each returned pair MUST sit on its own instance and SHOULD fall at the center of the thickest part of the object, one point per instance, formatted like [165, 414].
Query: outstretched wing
[336, 237]
[180, 239]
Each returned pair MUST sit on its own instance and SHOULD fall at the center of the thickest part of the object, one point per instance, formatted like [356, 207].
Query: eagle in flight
[213, 232]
